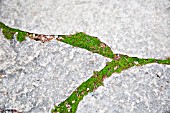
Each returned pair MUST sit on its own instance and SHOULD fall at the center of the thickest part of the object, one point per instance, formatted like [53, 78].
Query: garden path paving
[132, 27]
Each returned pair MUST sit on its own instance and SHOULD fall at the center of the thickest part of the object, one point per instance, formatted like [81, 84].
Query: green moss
[9, 32]
[21, 36]
[164, 61]
[90, 43]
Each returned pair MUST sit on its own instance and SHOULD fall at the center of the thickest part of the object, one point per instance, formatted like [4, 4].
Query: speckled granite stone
[143, 89]
[133, 27]
[39, 75]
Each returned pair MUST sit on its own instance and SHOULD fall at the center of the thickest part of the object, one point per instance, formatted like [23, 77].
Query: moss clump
[21, 36]
[9, 32]
[90, 43]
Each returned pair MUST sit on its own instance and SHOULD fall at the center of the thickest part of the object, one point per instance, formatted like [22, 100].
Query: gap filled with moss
[115, 66]
[9, 32]
[118, 64]
[89, 43]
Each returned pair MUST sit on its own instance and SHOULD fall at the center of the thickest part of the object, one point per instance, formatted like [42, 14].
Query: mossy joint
[115, 66]
[89, 43]
[118, 64]
[9, 32]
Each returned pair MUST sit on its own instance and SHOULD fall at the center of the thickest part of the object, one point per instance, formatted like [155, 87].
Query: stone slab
[38, 75]
[137, 28]
[143, 89]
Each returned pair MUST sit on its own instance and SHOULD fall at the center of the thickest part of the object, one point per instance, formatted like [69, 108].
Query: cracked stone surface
[138, 28]
[143, 89]
[39, 75]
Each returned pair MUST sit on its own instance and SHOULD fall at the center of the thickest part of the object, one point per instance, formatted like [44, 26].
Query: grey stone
[41, 75]
[133, 27]
[143, 89]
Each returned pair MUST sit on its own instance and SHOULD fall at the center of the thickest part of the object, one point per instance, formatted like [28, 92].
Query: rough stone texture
[143, 89]
[39, 75]
[133, 27]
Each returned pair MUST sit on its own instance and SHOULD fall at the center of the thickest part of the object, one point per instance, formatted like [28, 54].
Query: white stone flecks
[138, 28]
[143, 89]
[41, 75]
